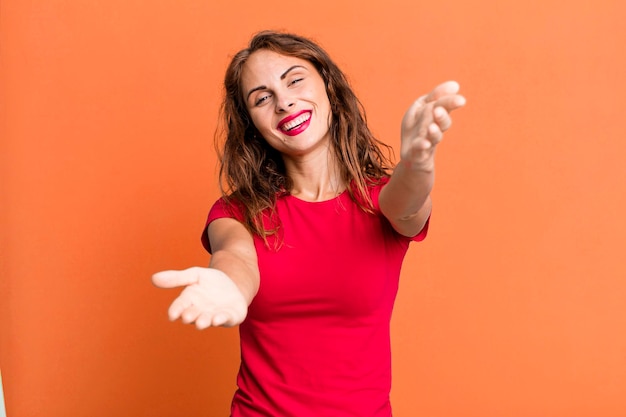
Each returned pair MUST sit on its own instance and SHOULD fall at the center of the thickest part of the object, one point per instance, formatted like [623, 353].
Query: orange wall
[514, 306]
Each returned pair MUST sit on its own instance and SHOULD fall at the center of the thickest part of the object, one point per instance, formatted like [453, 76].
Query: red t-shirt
[316, 339]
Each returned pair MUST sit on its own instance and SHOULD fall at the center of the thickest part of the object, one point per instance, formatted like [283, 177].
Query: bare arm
[405, 200]
[235, 255]
[220, 294]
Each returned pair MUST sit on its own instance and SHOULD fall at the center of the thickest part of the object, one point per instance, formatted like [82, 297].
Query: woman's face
[287, 100]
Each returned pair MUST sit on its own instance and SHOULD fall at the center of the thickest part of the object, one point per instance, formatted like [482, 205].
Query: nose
[284, 103]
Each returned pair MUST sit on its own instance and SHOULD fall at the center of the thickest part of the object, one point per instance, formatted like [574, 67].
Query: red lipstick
[295, 124]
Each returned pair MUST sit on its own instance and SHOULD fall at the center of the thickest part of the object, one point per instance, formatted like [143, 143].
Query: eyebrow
[282, 77]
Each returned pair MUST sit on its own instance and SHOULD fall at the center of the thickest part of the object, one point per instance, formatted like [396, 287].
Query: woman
[308, 240]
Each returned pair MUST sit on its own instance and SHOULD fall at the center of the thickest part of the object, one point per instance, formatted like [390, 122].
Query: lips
[295, 124]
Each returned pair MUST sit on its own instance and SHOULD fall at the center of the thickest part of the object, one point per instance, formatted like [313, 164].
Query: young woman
[309, 237]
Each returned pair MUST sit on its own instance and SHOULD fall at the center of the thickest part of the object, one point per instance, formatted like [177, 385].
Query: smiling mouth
[295, 123]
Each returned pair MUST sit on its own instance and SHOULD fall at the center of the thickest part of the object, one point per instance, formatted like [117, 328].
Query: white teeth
[296, 122]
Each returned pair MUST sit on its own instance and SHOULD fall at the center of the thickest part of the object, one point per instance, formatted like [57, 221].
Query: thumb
[413, 112]
[176, 278]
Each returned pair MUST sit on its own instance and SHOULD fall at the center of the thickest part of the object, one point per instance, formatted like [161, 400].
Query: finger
[417, 116]
[209, 319]
[416, 107]
[450, 102]
[204, 320]
[442, 118]
[172, 278]
[434, 134]
[178, 306]
[223, 319]
[190, 314]
[444, 89]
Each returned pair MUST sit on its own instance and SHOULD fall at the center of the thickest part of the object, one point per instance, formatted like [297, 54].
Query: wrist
[418, 167]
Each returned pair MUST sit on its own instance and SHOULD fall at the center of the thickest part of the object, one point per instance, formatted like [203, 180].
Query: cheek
[329, 110]
[326, 100]
[260, 122]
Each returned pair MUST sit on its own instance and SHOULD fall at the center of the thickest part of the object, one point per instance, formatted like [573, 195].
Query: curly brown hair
[252, 173]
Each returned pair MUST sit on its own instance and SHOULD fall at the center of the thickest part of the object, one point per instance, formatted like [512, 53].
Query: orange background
[514, 306]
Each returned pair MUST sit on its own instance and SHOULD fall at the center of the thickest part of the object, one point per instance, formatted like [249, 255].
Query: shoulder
[223, 208]
[226, 207]
[374, 186]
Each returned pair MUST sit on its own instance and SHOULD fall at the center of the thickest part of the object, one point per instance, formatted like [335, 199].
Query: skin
[276, 86]
[405, 200]
[291, 85]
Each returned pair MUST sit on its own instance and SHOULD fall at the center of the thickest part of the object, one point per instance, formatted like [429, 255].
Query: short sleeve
[422, 234]
[375, 194]
[220, 209]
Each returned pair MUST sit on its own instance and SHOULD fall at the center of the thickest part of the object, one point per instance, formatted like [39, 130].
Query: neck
[315, 178]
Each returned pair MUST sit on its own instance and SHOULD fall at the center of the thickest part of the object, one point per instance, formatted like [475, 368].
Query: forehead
[263, 66]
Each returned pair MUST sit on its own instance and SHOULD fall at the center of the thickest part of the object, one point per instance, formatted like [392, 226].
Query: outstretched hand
[424, 123]
[210, 298]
